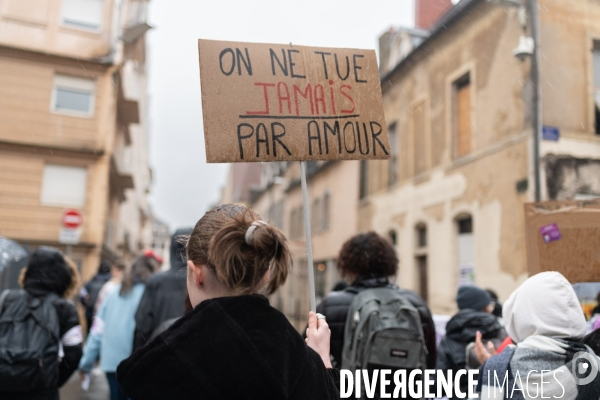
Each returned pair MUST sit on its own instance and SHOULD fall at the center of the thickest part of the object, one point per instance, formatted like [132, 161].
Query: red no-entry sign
[72, 219]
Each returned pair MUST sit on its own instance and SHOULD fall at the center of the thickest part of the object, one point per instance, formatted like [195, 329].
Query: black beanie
[472, 297]
[47, 271]
[104, 267]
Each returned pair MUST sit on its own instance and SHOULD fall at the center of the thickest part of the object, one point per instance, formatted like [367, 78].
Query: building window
[63, 186]
[393, 237]
[293, 223]
[597, 86]
[421, 236]
[275, 214]
[297, 223]
[83, 14]
[420, 146]
[393, 162]
[462, 117]
[466, 250]
[326, 213]
[421, 260]
[137, 12]
[315, 216]
[465, 225]
[363, 189]
[73, 95]
[279, 210]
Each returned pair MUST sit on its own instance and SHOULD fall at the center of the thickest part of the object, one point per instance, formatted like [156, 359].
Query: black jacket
[335, 307]
[228, 348]
[165, 294]
[460, 331]
[68, 318]
[93, 288]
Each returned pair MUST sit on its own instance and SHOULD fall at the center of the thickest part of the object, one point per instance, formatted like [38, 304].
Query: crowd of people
[205, 329]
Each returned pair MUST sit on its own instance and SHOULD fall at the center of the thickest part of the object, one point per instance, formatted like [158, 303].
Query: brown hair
[138, 272]
[75, 279]
[368, 254]
[119, 265]
[218, 241]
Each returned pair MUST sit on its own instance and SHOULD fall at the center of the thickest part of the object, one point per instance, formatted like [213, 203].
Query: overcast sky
[185, 186]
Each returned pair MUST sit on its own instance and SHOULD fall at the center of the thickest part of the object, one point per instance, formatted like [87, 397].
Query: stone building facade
[459, 111]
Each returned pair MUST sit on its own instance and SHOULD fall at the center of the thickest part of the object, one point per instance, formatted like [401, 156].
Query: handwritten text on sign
[266, 102]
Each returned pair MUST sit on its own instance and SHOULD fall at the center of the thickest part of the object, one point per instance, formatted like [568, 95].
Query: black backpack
[29, 342]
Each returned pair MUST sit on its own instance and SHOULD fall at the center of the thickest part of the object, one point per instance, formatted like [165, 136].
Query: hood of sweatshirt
[463, 326]
[544, 305]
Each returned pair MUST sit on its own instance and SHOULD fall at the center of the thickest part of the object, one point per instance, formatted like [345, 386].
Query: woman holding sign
[233, 344]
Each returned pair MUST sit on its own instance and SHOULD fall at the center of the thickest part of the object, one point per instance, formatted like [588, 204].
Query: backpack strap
[3, 297]
[51, 318]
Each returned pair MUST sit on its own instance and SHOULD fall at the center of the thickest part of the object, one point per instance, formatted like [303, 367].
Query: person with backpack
[40, 331]
[545, 320]
[457, 348]
[369, 261]
[111, 336]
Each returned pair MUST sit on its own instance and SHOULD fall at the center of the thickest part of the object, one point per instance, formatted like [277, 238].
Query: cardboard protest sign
[270, 102]
[564, 236]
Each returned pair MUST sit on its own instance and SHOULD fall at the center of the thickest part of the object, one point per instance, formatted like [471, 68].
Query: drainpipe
[537, 96]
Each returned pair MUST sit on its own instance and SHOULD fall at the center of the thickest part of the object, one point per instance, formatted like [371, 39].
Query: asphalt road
[98, 388]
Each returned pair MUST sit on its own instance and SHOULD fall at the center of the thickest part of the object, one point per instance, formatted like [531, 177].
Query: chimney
[385, 50]
[428, 12]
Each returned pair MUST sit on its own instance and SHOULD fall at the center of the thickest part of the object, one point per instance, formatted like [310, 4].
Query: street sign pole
[69, 234]
[309, 256]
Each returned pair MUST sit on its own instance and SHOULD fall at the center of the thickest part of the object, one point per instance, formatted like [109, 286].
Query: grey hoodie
[544, 318]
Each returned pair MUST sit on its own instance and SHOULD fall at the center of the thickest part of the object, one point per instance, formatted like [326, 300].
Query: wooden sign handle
[309, 256]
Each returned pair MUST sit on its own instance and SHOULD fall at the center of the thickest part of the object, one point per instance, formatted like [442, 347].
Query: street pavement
[98, 388]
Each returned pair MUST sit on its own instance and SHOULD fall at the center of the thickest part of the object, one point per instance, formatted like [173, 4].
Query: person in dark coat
[233, 345]
[368, 261]
[497, 305]
[475, 314]
[164, 298]
[91, 290]
[50, 272]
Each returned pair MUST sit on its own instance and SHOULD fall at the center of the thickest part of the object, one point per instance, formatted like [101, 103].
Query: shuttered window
[462, 107]
[83, 14]
[326, 217]
[420, 160]
[63, 186]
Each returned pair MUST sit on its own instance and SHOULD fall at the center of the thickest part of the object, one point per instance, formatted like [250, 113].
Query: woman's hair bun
[240, 248]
